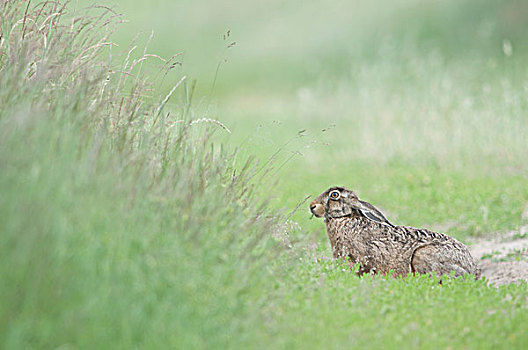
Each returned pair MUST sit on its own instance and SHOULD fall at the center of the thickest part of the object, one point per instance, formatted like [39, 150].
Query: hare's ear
[371, 213]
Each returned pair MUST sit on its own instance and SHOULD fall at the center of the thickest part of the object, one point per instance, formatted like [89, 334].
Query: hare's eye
[334, 195]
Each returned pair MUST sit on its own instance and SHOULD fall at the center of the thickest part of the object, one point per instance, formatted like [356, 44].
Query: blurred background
[126, 226]
[364, 94]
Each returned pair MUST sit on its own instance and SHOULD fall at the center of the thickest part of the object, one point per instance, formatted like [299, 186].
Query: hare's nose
[317, 209]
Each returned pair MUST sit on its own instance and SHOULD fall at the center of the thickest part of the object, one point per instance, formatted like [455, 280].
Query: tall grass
[123, 224]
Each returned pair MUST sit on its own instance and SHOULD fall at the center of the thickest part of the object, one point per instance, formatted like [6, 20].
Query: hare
[358, 230]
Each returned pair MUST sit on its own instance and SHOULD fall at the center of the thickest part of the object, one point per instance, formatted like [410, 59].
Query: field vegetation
[153, 188]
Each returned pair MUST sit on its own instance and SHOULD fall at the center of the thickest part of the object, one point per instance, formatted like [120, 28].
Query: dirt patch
[503, 259]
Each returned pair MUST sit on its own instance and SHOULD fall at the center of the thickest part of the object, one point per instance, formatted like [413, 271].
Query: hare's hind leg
[437, 259]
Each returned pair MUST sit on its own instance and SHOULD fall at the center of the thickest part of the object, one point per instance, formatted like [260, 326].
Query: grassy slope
[101, 252]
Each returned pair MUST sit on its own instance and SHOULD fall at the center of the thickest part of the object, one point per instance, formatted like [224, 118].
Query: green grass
[127, 225]
[345, 311]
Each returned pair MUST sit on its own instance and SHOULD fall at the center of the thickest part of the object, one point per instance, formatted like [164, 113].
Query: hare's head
[334, 203]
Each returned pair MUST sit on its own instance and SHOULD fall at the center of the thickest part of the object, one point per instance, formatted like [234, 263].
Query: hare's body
[379, 248]
[358, 230]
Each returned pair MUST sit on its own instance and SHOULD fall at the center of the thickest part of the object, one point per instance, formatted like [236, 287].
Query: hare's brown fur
[358, 230]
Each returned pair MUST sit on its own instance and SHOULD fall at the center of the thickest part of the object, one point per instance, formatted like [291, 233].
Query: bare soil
[503, 259]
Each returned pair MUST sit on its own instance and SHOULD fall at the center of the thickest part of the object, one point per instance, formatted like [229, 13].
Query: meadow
[153, 187]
